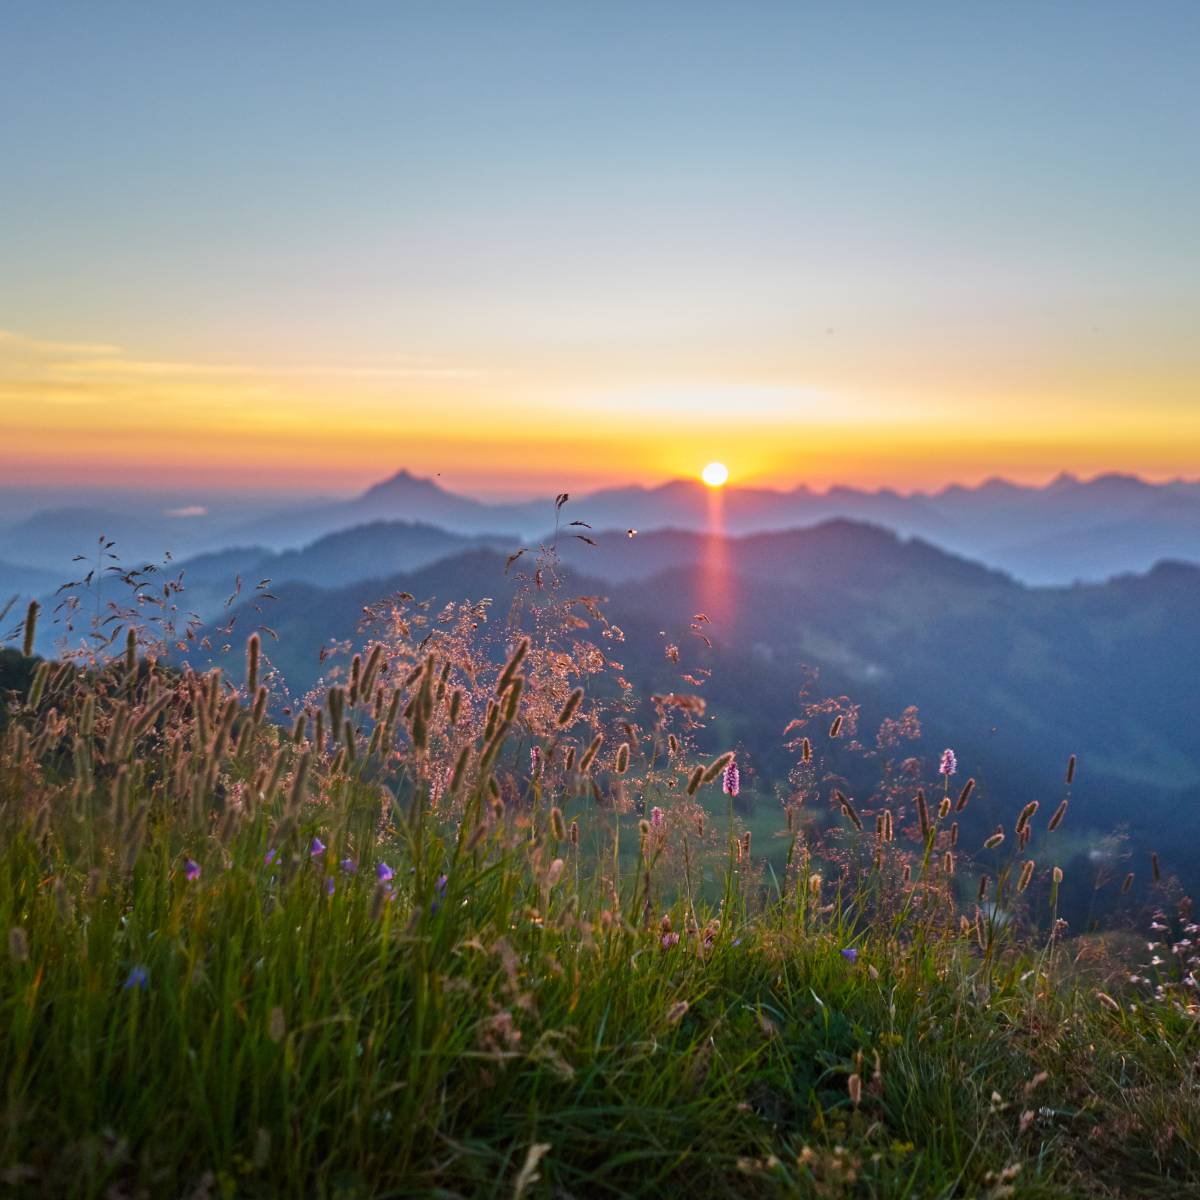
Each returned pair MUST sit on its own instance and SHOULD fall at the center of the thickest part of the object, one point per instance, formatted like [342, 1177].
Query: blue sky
[946, 215]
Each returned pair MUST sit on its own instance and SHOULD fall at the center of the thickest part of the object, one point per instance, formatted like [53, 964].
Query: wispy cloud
[105, 360]
[10, 340]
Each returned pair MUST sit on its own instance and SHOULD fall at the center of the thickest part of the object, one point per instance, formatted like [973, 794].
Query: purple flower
[383, 872]
[329, 886]
[439, 887]
[731, 781]
[270, 856]
[317, 847]
[349, 866]
[669, 939]
[850, 954]
[657, 817]
[949, 762]
[535, 760]
[137, 978]
[191, 870]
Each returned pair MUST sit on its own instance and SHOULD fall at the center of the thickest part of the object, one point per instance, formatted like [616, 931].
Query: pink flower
[191, 870]
[657, 817]
[949, 762]
[731, 780]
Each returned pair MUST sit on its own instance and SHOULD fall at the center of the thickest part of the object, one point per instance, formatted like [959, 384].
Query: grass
[387, 956]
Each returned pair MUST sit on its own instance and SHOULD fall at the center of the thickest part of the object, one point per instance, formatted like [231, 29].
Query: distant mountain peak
[1063, 480]
[402, 483]
[1120, 481]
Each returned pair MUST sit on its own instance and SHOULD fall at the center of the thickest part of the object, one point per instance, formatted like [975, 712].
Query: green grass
[291, 1042]
[511, 1013]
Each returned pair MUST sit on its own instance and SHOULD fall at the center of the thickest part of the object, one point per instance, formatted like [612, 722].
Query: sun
[715, 474]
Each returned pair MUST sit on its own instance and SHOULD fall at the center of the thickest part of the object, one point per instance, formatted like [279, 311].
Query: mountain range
[1015, 677]
[1070, 529]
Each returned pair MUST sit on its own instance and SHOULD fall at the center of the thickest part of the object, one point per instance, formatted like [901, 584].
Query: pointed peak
[403, 482]
[1062, 481]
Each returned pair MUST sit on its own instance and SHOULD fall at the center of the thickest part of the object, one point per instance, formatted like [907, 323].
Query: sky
[552, 246]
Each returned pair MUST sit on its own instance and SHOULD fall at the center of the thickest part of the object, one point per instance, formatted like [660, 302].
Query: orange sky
[78, 412]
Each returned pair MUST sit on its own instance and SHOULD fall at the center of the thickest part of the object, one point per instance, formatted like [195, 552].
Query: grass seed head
[567, 712]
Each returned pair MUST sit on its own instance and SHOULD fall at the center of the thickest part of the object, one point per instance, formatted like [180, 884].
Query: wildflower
[317, 847]
[383, 873]
[657, 817]
[330, 886]
[191, 870]
[850, 954]
[137, 978]
[535, 760]
[731, 780]
[949, 763]
[440, 885]
[349, 866]
[668, 940]
[270, 856]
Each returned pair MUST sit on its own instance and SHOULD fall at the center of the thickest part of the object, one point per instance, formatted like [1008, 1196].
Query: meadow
[475, 918]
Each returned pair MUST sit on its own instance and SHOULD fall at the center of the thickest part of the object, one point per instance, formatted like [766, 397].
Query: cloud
[20, 341]
[103, 361]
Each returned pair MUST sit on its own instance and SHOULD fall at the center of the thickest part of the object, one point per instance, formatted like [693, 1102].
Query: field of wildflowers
[477, 919]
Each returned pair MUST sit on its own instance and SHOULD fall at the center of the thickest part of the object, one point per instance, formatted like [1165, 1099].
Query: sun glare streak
[717, 590]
